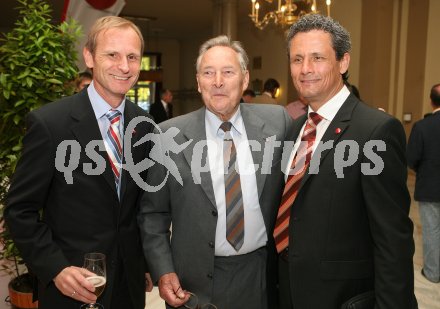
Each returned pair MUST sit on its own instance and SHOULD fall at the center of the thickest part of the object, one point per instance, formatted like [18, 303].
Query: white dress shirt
[255, 235]
[327, 112]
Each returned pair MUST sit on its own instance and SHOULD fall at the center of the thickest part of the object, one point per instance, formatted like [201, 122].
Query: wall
[398, 59]
[432, 60]
[170, 50]
[179, 73]
[189, 98]
[415, 60]
[269, 44]
[352, 22]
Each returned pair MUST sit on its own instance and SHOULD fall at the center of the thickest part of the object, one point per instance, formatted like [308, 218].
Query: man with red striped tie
[92, 211]
[342, 232]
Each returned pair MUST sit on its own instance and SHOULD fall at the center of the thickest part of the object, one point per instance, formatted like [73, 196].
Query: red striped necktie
[113, 144]
[299, 166]
[234, 197]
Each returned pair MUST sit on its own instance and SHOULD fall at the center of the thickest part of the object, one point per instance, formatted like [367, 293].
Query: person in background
[427, 115]
[297, 108]
[343, 230]
[54, 218]
[423, 154]
[84, 79]
[247, 96]
[222, 248]
[270, 89]
[163, 110]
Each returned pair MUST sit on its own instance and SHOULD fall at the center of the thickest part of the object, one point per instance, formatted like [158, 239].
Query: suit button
[211, 244]
[214, 213]
[209, 276]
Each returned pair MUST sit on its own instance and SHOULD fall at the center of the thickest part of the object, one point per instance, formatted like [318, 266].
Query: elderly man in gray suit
[221, 247]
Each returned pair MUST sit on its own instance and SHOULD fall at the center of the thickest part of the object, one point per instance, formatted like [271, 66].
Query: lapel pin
[338, 130]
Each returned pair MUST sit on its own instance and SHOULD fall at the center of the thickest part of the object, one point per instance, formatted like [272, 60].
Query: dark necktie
[234, 197]
[299, 164]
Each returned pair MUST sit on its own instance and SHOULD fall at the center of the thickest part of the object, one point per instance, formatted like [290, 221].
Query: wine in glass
[95, 263]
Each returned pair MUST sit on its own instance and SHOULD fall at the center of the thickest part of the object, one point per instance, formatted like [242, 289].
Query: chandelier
[286, 14]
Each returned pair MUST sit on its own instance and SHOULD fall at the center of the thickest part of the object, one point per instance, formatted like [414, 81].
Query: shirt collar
[214, 122]
[99, 105]
[332, 106]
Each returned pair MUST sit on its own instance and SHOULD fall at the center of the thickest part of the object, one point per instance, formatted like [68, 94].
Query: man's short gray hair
[224, 40]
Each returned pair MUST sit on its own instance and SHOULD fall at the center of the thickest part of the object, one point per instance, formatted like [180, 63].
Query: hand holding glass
[95, 263]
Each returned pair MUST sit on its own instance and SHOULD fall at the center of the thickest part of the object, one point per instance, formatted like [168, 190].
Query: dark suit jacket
[191, 208]
[77, 218]
[159, 113]
[423, 154]
[352, 234]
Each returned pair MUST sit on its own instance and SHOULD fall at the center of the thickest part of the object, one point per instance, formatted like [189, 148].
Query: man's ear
[88, 58]
[198, 84]
[245, 80]
[344, 63]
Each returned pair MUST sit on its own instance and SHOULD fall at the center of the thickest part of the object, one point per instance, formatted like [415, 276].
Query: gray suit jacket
[191, 208]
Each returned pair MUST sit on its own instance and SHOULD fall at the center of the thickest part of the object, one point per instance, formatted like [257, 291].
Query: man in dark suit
[56, 216]
[348, 230]
[230, 266]
[163, 110]
[424, 158]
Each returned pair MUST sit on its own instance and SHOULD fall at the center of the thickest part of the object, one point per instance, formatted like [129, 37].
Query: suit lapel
[256, 131]
[335, 131]
[196, 131]
[298, 124]
[129, 114]
[85, 128]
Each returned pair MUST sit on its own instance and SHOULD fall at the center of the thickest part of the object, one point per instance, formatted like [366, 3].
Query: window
[145, 92]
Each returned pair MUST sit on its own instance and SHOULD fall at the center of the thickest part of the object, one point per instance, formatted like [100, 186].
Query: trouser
[240, 281]
[284, 297]
[430, 219]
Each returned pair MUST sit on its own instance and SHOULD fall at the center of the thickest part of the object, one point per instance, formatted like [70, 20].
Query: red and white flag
[86, 12]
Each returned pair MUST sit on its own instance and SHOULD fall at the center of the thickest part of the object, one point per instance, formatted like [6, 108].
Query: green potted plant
[37, 65]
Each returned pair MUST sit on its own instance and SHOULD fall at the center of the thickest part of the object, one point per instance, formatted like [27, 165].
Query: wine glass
[95, 263]
[193, 303]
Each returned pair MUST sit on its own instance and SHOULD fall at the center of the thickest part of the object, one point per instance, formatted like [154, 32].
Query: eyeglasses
[193, 303]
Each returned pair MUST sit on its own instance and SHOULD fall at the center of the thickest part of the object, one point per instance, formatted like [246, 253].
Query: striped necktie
[113, 144]
[299, 166]
[234, 198]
